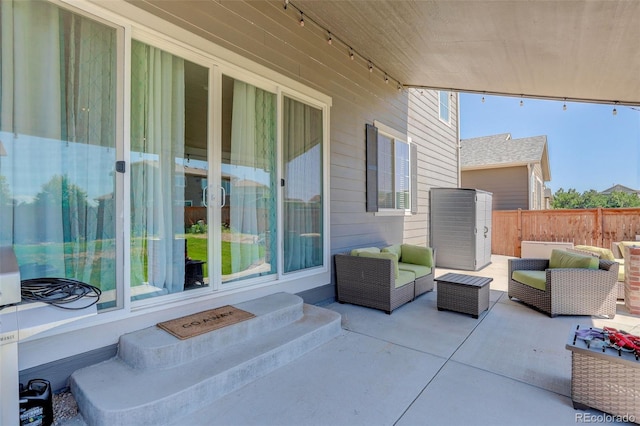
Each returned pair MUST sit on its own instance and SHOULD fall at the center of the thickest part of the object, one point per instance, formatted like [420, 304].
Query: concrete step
[155, 348]
[118, 392]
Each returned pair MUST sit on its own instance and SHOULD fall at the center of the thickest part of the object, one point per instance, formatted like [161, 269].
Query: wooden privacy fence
[594, 227]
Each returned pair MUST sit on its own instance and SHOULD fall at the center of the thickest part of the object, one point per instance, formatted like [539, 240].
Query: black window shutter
[372, 168]
[414, 178]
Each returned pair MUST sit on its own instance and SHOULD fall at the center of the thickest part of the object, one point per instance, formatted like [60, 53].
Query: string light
[483, 99]
[615, 111]
[564, 106]
[521, 102]
[330, 41]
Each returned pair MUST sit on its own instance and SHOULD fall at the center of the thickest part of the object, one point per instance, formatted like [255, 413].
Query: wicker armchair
[569, 291]
[370, 282]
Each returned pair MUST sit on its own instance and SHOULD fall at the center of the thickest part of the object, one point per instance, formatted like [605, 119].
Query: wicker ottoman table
[467, 294]
[607, 380]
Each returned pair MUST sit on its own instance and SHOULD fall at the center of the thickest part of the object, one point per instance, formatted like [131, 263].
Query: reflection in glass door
[248, 180]
[169, 230]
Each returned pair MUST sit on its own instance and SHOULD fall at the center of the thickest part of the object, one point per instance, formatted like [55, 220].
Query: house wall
[508, 185]
[538, 202]
[270, 37]
[266, 33]
[438, 156]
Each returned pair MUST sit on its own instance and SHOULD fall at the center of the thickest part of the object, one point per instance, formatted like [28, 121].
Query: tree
[566, 200]
[58, 194]
[5, 192]
[591, 199]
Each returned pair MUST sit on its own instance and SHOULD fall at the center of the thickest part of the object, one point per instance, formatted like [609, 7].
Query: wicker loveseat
[567, 288]
[384, 279]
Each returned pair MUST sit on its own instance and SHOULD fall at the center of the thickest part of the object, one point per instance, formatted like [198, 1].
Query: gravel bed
[64, 408]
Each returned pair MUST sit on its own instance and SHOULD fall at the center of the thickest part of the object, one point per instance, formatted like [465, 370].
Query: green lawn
[198, 250]
[63, 260]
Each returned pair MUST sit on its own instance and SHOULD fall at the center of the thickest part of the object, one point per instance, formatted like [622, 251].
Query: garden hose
[59, 292]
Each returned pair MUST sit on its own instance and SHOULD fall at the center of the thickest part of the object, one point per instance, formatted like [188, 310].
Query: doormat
[204, 322]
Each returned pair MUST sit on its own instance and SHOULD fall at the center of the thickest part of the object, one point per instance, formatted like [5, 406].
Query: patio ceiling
[578, 50]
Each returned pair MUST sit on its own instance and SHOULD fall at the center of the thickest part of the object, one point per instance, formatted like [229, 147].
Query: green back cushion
[417, 255]
[535, 279]
[356, 252]
[390, 256]
[395, 248]
[603, 253]
[564, 259]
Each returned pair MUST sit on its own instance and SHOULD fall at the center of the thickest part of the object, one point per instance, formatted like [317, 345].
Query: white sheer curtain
[57, 127]
[157, 141]
[252, 202]
[302, 157]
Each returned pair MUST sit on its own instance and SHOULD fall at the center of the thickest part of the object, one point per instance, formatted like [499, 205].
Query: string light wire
[331, 38]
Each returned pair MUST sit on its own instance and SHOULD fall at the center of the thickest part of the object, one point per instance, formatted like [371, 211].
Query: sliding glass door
[58, 192]
[248, 181]
[302, 148]
[169, 173]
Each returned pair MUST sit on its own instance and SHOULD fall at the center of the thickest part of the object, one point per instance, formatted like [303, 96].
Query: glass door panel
[58, 144]
[169, 169]
[302, 195]
[249, 181]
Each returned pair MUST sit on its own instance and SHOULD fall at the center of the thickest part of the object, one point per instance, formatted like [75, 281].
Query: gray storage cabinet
[461, 227]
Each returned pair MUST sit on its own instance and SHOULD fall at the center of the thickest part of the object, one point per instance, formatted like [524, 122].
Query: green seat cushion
[418, 270]
[390, 256]
[603, 253]
[395, 248]
[404, 277]
[620, 269]
[535, 279]
[417, 255]
[564, 259]
[356, 252]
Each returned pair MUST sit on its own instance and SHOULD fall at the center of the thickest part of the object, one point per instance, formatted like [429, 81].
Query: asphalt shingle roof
[500, 149]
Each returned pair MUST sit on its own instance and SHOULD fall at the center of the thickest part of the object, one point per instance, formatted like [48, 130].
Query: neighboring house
[514, 170]
[239, 90]
[620, 188]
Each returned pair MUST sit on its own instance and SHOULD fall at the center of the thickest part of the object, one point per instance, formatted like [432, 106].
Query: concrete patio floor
[421, 366]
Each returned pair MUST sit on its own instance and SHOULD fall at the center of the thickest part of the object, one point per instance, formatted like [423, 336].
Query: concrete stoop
[157, 378]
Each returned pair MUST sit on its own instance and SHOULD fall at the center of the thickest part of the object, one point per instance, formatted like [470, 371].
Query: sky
[589, 147]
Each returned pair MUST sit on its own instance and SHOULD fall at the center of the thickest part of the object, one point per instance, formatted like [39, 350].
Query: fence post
[519, 242]
[599, 219]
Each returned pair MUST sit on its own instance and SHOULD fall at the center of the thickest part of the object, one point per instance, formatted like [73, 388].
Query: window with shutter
[391, 171]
